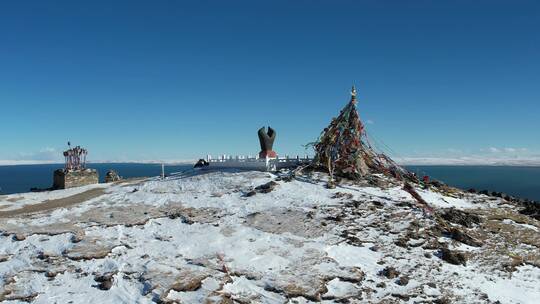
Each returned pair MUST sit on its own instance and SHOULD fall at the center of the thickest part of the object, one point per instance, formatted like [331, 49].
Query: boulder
[112, 176]
[461, 217]
[452, 257]
[389, 272]
[531, 209]
[201, 163]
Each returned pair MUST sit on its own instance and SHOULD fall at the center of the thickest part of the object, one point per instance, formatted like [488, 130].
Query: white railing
[256, 163]
[249, 158]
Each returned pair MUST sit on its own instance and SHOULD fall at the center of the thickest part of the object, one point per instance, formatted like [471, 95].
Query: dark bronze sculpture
[266, 139]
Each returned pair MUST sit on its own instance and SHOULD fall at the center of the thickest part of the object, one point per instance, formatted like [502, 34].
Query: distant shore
[468, 161]
[517, 181]
[401, 161]
[61, 163]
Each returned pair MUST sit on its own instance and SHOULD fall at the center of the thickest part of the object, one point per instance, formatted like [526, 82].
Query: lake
[20, 178]
[517, 181]
[523, 182]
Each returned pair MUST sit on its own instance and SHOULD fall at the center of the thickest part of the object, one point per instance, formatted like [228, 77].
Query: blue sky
[139, 80]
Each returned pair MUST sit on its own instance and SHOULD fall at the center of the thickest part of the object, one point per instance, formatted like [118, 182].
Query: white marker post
[162, 171]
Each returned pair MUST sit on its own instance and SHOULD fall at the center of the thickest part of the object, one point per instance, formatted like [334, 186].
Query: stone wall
[74, 178]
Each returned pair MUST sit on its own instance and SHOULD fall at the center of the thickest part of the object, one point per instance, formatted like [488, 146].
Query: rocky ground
[254, 237]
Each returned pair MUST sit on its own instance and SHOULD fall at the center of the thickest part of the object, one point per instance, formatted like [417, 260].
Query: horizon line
[403, 161]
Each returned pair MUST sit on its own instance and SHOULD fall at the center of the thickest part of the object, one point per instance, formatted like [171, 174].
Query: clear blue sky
[134, 80]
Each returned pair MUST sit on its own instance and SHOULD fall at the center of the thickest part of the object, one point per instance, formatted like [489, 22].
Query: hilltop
[257, 237]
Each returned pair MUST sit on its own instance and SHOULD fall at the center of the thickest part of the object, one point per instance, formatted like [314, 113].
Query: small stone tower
[74, 173]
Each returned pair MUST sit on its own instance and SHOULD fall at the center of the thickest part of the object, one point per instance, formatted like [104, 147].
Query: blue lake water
[523, 182]
[20, 178]
[518, 181]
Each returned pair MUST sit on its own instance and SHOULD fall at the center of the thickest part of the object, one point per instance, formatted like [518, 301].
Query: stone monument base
[267, 154]
[64, 179]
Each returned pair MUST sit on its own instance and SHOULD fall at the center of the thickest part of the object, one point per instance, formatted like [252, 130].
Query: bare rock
[461, 217]
[112, 176]
[19, 237]
[452, 257]
[464, 238]
[401, 296]
[265, 188]
[442, 300]
[401, 242]
[188, 284]
[389, 272]
[293, 221]
[88, 250]
[293, 290]
[342, 195]
[403, 280]
[104, 281]
[531, 209]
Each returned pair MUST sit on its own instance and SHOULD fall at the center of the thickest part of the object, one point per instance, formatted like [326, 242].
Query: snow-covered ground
[17, 201]
[215, 237]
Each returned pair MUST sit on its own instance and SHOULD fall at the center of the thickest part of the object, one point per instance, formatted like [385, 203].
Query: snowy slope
[212, 238]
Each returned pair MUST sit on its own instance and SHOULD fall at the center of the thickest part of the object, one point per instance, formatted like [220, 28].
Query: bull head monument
[266, 138]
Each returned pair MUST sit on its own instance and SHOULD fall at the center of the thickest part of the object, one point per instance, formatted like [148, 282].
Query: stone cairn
[74, 173]
[344, 150]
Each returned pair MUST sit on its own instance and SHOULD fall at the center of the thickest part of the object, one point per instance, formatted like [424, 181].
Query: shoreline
[30, 163]
[408, 162]
[453, 177]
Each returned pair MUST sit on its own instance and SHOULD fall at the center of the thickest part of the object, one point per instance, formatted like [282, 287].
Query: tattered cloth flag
[343, 148]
